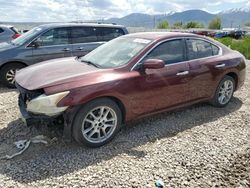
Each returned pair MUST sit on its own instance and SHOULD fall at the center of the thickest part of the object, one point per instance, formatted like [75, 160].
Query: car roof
[53, 25]
[160, 35]
[8, 26]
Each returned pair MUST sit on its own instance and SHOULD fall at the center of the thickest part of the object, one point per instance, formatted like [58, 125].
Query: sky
[69, 10]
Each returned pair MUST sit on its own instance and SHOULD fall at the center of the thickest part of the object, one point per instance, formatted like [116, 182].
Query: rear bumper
[241, 78]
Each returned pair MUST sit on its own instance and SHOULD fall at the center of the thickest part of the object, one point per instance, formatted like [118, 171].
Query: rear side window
[57, 36]
[83, 34]
[107, 34]
[170, 52]
[199, 49]
[1, 30]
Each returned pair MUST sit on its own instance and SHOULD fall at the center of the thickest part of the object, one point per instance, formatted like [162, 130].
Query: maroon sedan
[127, 78]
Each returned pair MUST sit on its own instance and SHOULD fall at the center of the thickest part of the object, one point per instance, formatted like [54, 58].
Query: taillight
[16, 35]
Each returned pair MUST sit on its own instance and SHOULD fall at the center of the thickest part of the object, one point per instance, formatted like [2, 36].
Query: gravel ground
[199, 146]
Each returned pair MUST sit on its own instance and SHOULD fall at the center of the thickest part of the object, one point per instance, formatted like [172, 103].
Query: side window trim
[211, 44]
[140, 61]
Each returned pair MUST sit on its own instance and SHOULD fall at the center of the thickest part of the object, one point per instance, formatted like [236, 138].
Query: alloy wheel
[10, 76]
[99, 124]
[225, 92]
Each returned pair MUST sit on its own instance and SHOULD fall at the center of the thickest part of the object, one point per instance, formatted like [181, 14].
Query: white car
[8, 33]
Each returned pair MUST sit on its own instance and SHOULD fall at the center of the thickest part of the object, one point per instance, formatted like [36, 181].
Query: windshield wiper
[90, 63]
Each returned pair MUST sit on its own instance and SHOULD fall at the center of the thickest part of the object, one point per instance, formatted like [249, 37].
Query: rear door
[84, 40]
[53, 44]
[203, 67]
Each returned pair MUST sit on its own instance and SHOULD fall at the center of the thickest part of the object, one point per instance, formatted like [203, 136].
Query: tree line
[215, 23]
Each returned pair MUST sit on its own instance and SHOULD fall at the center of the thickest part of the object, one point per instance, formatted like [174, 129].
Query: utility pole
[154, 22]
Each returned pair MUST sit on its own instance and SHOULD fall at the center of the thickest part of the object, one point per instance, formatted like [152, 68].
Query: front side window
[57, 36]
[199, 49]
[1, 30]
[83, 34]
[170, 52]
[26, 37]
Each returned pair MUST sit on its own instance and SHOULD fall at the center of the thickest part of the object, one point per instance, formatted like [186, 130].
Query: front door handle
[220, 65]
[182, 73]
[66, 49]
[80, 48]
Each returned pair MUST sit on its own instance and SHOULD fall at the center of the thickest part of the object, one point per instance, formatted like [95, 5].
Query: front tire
[8, 72]
[224, 92]
[97, 122]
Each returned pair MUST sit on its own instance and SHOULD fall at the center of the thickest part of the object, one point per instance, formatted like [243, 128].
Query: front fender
[84, 95]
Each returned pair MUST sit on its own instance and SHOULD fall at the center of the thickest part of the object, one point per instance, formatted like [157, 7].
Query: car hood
[6, 46]
[54, 72]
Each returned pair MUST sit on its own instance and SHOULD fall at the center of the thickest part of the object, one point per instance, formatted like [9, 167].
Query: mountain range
[230, 18]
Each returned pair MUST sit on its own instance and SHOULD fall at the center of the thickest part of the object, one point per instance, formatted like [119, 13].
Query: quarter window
[83, 34]
[107, 34]
[170, 52]
[200, 49]
[215, 50]
[58, 36]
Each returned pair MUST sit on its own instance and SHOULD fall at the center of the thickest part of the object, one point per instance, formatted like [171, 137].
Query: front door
[53, 44]
[157, 89]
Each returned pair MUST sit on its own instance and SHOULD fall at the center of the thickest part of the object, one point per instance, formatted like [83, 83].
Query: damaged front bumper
[35, 106]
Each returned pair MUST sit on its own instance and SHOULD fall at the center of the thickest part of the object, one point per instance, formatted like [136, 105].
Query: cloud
[65, 10]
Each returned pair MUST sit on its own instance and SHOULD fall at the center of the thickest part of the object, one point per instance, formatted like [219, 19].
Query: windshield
[116, 53]
[26, 36]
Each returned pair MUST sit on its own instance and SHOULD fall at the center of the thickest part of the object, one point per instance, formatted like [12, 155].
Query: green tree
[163, 25]
[177, 25]
[215, 23]
[194, 24]
[247, 24]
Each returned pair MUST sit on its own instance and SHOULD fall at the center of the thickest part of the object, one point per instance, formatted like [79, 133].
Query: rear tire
[224, 92]
[8, 72]
[97, 122]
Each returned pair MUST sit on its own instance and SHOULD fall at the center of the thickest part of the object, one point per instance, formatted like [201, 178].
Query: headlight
[44, 104]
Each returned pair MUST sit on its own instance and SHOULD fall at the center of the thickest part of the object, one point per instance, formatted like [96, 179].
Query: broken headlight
[47, 104]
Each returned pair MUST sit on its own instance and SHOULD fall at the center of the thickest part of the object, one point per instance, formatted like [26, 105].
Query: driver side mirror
[153, 64]
[36, 44]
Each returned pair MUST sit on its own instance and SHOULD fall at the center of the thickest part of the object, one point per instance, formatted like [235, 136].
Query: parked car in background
[8, 33]
[127, 78]
[208, 33]
[53, 41]
[237, 34]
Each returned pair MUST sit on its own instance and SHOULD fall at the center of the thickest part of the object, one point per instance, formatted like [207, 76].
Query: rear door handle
[220, 65]
[66, 49]
[182, 73]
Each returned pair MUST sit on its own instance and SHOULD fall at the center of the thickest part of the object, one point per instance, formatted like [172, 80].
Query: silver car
[8, 33]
